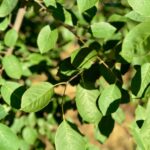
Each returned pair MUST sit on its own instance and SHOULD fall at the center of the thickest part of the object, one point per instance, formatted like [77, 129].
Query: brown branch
[17, 24]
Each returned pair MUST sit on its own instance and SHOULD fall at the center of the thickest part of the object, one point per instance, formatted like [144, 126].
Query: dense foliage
[106, 46]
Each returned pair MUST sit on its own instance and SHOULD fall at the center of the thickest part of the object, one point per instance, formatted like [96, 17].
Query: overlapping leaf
[141, 6]
[135, 48]
[141, 80]
[11, 93]
[109, 99]
[47, 39]
[86, 103]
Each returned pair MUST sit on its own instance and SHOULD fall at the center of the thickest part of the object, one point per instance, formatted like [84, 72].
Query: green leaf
[7, 6]
[83, 58]
[67, 138]
[145, 133]
[92, 147]
[119, 116]
[3, 112]
[8, 140]
[11, 37]
[104, 128]
[102, 30]
[109, 99]
[11, 93]
[18, 124]
[4, 24]
[86, 98]
[37, 97]
[86, 4]
[133, 15]
[141, 80]
[50, 3]
[137, 136]
[140, 6]
[135, 48]
[140, 113]
[12, 66]
[30, 135]
[47, 39]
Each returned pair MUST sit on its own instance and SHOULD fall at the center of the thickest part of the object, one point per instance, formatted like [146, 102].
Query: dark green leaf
[83, 58]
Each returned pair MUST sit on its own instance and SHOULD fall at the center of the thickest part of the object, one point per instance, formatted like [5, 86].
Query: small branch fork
[65, 87]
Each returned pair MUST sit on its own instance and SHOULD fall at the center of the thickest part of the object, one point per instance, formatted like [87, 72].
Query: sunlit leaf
[37, 97]
[12, 66]
[86, 98]
[8, 140]
[109, 99]
[7, 6]
[67, 138]
[47, 39]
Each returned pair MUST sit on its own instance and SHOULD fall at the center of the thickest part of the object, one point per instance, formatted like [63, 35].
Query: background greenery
[70, 66]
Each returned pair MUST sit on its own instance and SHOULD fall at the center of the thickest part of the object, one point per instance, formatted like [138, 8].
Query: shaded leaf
[104, 128]
[83, 58]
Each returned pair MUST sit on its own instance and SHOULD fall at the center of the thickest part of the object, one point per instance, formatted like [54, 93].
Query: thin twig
[62, 102]
[71, 29]
[40, 4]
[102, 62]
[65, 87]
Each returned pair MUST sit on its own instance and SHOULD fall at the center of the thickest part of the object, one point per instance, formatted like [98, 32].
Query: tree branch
[17, 24]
